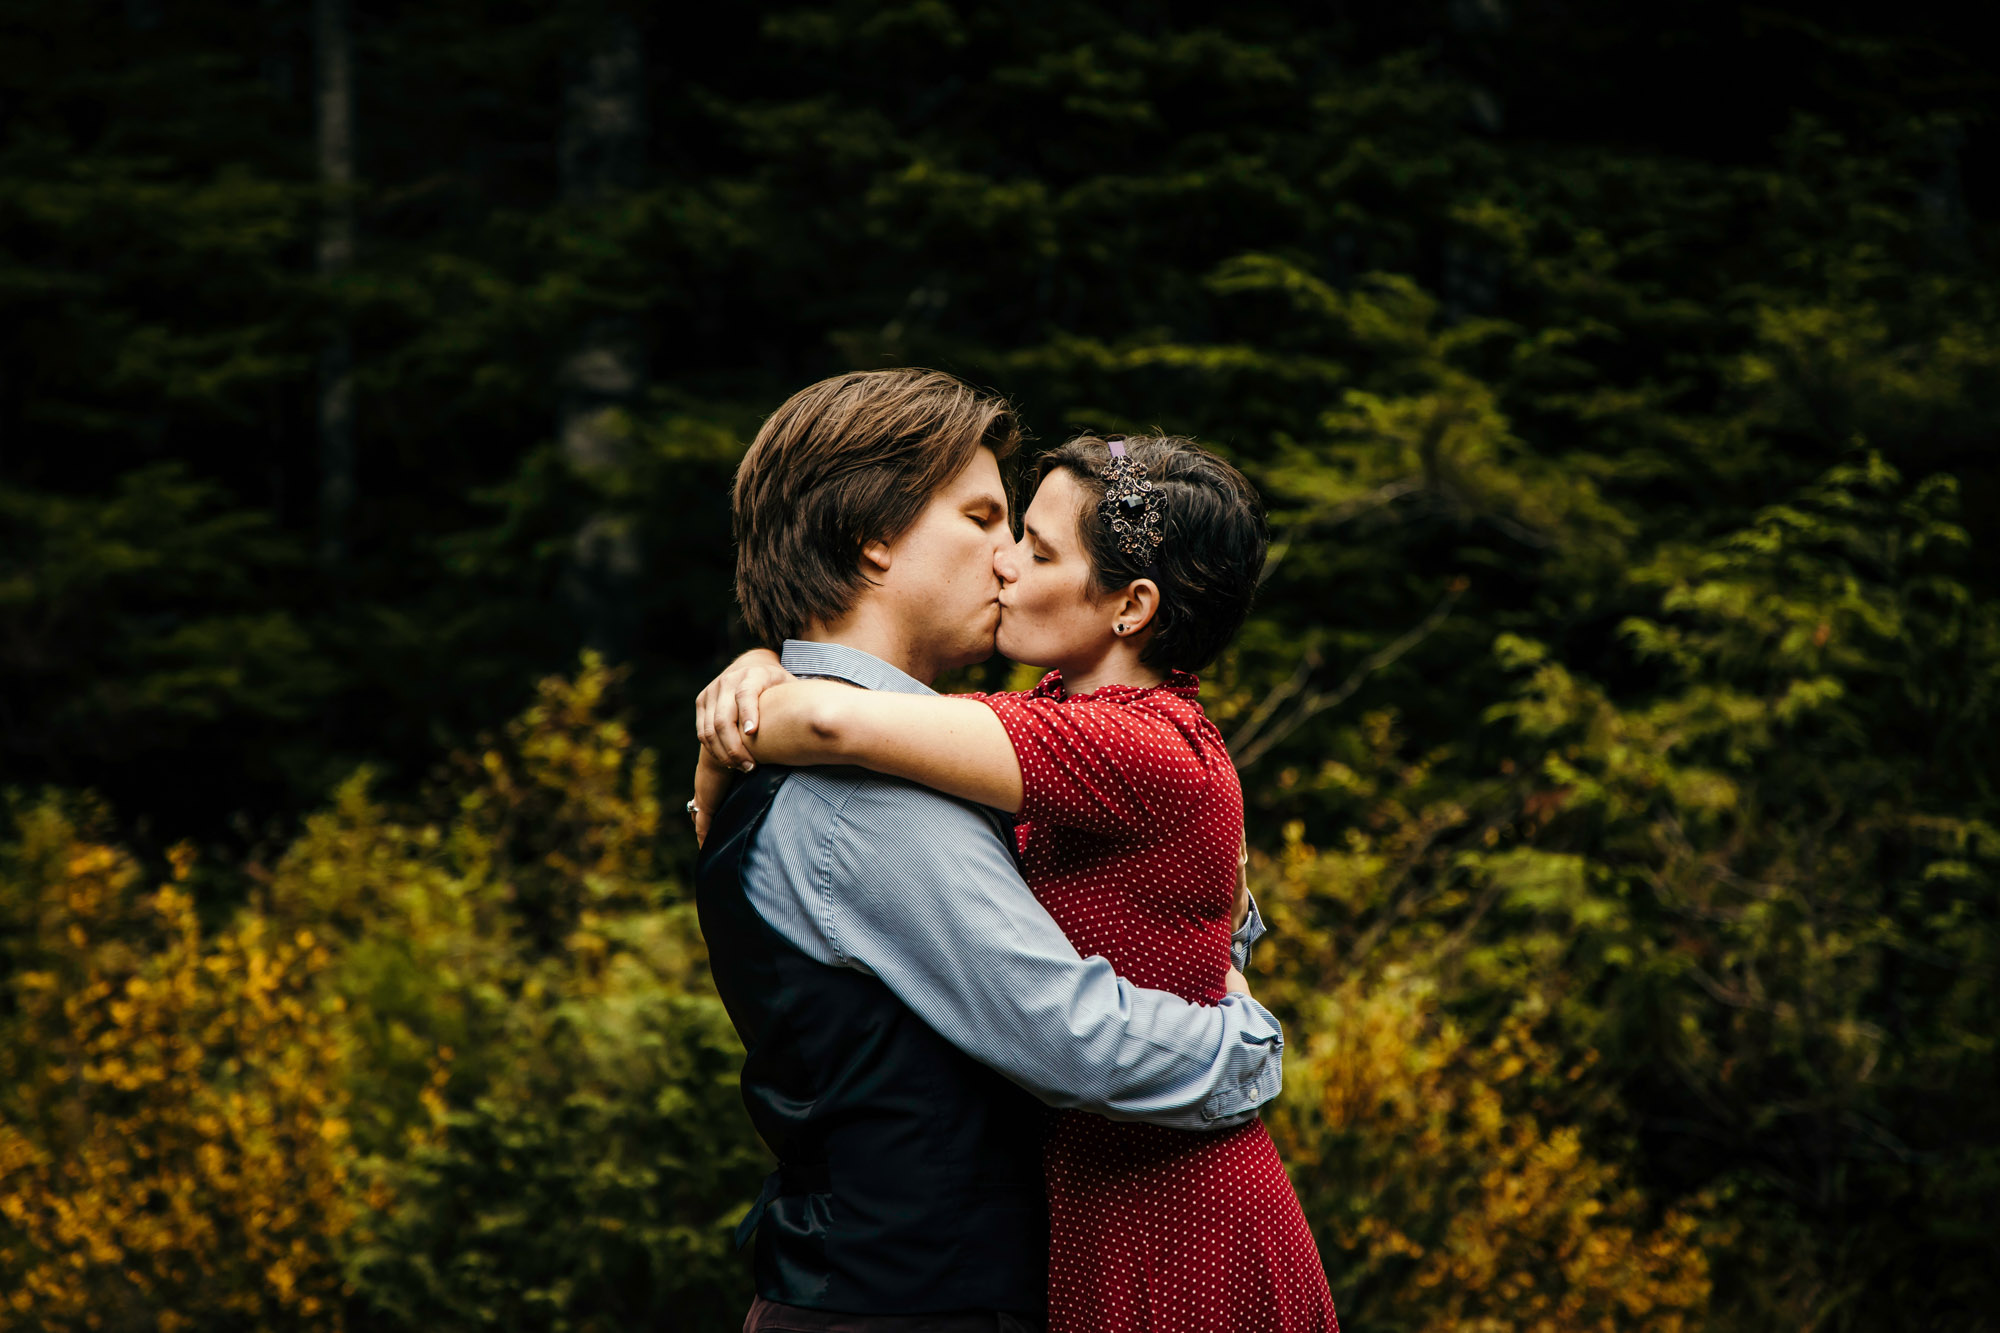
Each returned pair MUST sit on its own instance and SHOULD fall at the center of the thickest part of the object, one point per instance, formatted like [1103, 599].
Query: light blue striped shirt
[890, 878]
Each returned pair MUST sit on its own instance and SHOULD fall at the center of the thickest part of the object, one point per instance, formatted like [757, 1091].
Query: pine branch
[1252, 742]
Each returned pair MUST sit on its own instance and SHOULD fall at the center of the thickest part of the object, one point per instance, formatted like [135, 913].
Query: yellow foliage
[173, 1147]
[1435, 1185]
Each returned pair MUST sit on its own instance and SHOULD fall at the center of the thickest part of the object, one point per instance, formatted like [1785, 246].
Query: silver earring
[1119, 628]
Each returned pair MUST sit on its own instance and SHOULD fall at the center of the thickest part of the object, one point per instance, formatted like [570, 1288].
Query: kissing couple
[983, 949]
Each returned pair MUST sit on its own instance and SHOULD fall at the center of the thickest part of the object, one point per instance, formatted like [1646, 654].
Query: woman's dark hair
[1208, 566]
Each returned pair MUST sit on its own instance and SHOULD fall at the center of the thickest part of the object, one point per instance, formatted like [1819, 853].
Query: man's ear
[876, 558]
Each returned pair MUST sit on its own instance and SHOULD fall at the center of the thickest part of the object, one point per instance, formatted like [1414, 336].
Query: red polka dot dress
[1129, 834]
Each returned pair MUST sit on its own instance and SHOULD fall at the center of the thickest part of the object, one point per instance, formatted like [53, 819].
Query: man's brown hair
[844, 462]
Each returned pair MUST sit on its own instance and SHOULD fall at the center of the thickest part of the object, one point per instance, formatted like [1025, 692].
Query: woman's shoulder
[1175, 701]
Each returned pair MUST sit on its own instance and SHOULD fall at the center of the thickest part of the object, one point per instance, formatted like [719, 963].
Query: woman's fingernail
[749, 764]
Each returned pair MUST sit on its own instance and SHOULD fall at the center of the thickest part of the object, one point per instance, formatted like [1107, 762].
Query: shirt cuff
[1236, 1104]
[1225, 1110]
[1250, 932]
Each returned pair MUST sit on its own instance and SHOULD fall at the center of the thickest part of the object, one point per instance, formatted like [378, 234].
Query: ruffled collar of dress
[1181, 683]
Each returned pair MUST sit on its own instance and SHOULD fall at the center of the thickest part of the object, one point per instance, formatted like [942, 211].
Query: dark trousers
[771, 1317]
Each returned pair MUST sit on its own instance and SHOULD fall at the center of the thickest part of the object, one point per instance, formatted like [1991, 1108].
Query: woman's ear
[1137, 606]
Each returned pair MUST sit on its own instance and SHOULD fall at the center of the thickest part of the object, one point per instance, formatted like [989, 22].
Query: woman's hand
[711, 784]
[1236, 982]
[725, 712]
[1242, 886]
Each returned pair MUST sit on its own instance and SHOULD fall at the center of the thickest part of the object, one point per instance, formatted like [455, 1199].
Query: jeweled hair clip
[1133, 506]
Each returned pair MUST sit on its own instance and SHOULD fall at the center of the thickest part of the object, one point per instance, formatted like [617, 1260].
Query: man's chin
[991, 639]
[973, 653]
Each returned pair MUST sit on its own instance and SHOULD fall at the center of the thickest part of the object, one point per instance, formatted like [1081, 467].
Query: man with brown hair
[847, 468]
[906, 1005]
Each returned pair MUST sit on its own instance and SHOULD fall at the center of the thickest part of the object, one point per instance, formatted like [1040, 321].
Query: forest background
[1616, 720]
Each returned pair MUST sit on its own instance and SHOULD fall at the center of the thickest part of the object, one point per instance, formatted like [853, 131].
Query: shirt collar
[1183, 683]
[804, 657]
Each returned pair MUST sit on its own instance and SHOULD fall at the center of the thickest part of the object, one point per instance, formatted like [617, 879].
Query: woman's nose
[1004, 563]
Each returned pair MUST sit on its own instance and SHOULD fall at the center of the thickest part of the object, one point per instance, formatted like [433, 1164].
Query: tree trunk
[333, 52]
[602, 154]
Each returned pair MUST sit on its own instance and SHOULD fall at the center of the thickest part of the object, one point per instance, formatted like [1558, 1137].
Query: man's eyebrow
[1029, 528]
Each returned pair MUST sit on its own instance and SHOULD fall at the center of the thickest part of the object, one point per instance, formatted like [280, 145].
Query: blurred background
[1616, 724]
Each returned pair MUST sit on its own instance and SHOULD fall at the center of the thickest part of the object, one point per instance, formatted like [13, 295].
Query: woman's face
[1051, 613]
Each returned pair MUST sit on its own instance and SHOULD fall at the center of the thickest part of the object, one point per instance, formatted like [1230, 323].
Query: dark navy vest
[910, 1175]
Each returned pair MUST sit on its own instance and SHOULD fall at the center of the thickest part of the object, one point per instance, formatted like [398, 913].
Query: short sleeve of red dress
[1118, 761]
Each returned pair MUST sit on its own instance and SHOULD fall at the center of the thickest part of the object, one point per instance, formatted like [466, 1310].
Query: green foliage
[134, 623]
[539, 1059]
[1617, 701]
[1772, 944]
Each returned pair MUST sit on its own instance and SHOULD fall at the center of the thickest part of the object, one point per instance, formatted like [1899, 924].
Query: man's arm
[976, 957]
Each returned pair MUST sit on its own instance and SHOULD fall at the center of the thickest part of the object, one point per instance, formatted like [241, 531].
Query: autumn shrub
[1449, 1194]
[542, 1067]
[453, 1066]
[174, 1145]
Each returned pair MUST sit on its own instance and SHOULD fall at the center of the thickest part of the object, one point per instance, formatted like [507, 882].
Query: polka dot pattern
[1129, 835]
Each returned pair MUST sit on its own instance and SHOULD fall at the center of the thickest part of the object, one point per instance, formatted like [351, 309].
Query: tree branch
[1334, 515]
[1252, 742]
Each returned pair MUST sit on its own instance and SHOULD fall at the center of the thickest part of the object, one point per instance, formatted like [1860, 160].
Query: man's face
[941, 579]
